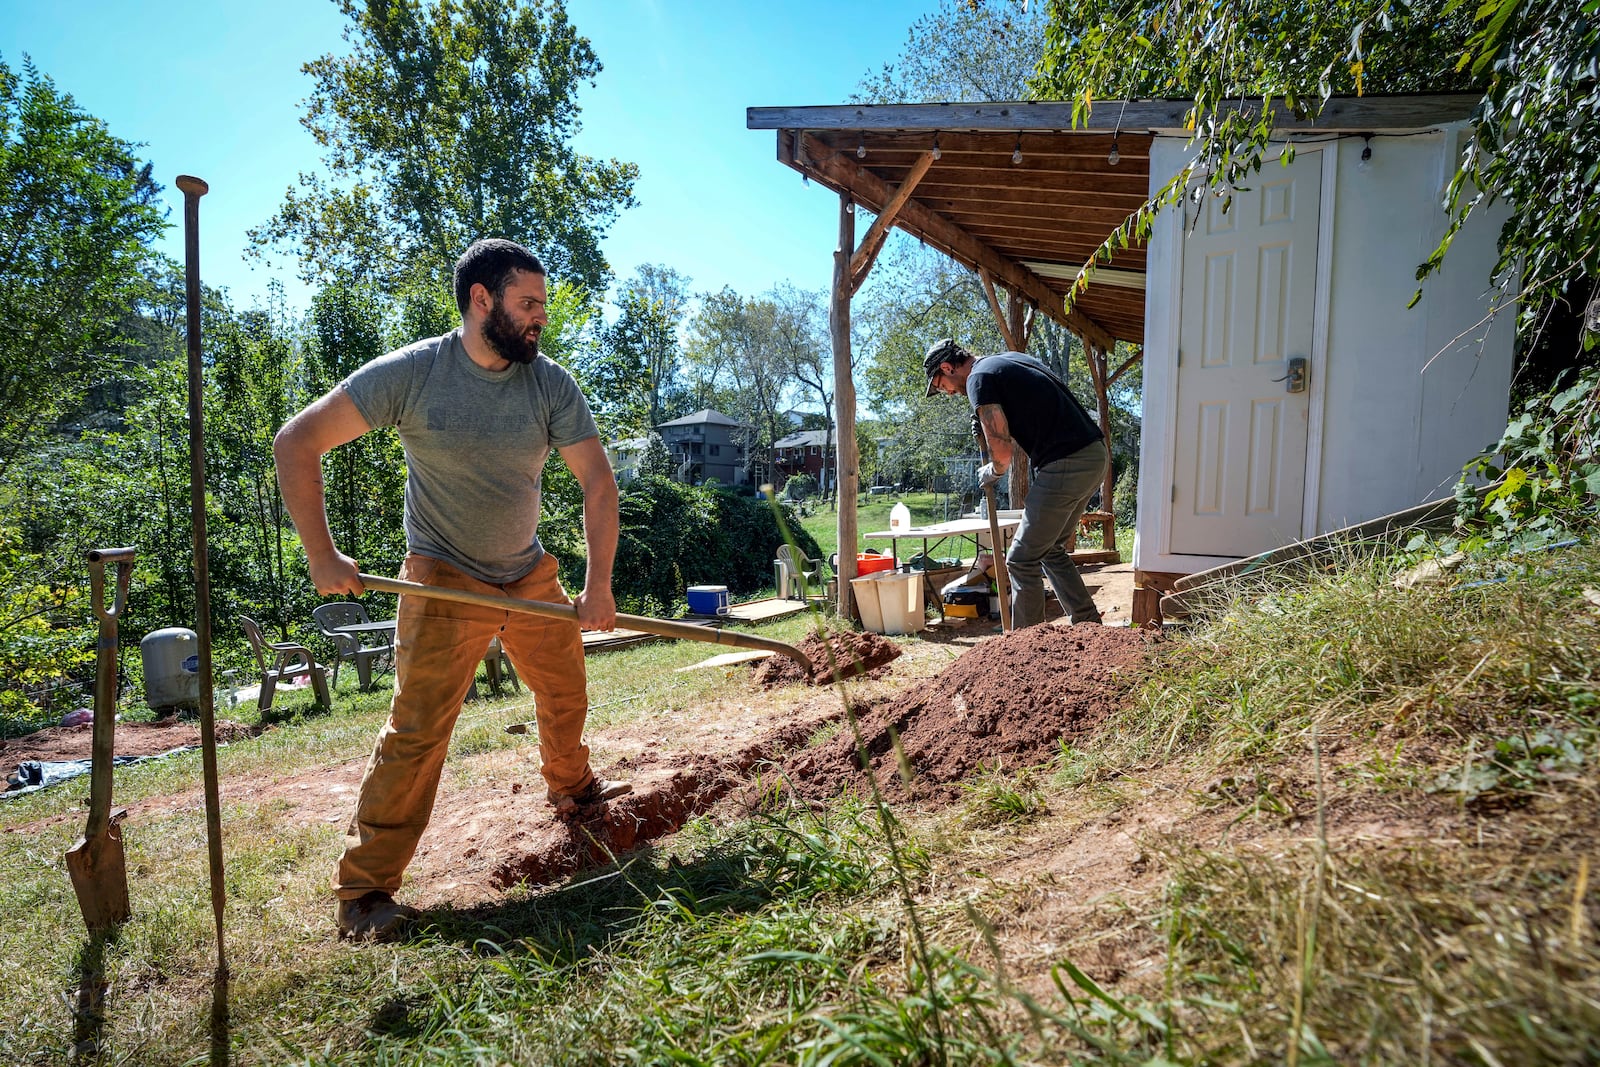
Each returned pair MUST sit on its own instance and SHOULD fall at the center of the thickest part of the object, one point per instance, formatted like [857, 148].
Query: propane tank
[171, 658]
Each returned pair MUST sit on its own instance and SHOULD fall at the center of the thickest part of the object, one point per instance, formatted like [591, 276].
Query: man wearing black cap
[1022, 406]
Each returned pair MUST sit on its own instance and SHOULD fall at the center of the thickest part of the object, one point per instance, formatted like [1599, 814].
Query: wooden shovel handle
[566, 612]
[1001, 579]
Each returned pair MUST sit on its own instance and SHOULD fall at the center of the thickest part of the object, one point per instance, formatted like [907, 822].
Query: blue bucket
[708, 599]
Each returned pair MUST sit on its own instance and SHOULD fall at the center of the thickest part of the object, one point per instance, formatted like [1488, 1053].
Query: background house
[802, 452]
[705, 445]
[625, 455]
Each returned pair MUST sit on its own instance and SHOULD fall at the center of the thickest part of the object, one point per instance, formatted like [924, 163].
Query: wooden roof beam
[878, 232]
[1361, 114]
[871, 189]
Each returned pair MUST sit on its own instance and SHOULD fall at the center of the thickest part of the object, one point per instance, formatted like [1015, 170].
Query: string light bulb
[1113, 157]
[937, 151]
[850, 206]
[861, 149]
[1366, 153]
[1016, 153]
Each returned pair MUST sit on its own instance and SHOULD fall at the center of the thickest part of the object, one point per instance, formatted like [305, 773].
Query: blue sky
[215, 89]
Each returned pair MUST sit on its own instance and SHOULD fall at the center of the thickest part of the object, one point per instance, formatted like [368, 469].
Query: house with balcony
[706, 445]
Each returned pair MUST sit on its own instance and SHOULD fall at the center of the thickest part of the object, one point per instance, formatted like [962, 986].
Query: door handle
[1298, 368]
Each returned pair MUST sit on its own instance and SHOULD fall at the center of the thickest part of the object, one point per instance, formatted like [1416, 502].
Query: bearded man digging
[478, 411]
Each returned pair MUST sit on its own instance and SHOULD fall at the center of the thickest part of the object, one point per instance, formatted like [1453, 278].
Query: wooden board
[1433, 514]
[728, 659]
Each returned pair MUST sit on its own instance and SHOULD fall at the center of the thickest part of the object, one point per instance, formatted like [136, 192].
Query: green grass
[786, 937]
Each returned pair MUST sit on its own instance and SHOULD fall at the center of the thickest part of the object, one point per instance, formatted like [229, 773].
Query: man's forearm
[996, 431]
[600, 529]
[300, 483]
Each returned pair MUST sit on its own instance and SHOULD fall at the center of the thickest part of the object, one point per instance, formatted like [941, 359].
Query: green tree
[445, 122]
[627, 374]
[964, 51]
[77, 213]
[746, 340]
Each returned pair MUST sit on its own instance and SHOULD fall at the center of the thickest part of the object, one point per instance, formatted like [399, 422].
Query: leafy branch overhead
[1537, 130]
[443, 123]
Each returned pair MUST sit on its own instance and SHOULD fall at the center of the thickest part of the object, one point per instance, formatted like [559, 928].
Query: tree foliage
[447, 121]
[1537, 128]
[77, 213]
[748, 344]
[628, 372]
[964, 51]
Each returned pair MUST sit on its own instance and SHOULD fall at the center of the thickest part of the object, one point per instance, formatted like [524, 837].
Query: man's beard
[508, 342]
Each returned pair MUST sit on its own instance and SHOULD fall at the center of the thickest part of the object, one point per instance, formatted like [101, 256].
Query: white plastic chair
[288, 659]
[790, 569]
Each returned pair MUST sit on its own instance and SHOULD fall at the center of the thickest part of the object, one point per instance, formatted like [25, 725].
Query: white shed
[1288, 388]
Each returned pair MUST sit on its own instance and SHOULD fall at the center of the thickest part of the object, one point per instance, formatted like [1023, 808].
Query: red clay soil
[1006, 703]
[61, 743]
[854, 655]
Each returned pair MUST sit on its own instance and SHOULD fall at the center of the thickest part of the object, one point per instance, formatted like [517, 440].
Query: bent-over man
[478, 411]
[1021, 404]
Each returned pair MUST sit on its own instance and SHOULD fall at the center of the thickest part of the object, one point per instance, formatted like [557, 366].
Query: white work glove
[988, 476]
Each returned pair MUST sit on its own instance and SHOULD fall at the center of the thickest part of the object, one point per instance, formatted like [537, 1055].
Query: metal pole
[193, 189]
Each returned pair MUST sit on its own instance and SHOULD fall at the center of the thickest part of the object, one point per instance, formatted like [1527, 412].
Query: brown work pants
[438, 646]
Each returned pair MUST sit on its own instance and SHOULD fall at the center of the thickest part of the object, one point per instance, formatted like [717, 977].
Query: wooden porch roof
[1029, 222]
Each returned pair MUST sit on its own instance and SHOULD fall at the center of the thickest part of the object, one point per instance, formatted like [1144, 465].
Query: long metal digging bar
[644, 623]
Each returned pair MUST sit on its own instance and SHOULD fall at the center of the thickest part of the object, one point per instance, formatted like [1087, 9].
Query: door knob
[1298, 367]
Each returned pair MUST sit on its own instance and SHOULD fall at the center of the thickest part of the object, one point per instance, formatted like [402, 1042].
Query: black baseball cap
[941, 352]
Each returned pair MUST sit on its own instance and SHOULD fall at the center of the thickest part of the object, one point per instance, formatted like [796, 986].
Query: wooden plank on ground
[1433, 514]
[728, 659]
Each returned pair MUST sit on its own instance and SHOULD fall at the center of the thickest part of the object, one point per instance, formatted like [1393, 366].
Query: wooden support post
[1099, 364]
[844, 402]
[1001, 320]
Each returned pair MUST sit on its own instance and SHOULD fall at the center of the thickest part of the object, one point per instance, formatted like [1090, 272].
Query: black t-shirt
[1045, 419]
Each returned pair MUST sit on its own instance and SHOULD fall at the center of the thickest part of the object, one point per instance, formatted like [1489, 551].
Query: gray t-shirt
[476, 443]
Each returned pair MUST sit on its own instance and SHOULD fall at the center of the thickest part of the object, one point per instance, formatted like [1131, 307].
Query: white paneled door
[1248, 300]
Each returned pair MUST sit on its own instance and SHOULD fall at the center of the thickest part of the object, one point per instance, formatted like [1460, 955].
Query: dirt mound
[854, 654]
[1007, 702]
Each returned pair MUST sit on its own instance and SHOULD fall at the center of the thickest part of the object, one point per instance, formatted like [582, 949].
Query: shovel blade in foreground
[100, 878]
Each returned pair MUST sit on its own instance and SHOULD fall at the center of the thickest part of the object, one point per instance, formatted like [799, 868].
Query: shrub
[675, 535]
[800, 486]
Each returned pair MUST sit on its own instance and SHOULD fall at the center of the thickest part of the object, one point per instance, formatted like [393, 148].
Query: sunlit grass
[784, 938]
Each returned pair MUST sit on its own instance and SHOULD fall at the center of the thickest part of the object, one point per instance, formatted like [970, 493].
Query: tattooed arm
[998, 434]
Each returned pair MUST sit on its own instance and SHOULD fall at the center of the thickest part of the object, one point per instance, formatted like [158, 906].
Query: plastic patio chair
[790, 569]
[287, 659]
[361, 649]
[496, 669]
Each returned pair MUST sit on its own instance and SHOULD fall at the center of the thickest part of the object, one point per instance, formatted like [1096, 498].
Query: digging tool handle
[103, 748]
[566, 612]
[1002, 581]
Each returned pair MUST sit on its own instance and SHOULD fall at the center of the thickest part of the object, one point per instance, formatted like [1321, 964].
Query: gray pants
[1057, 496]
